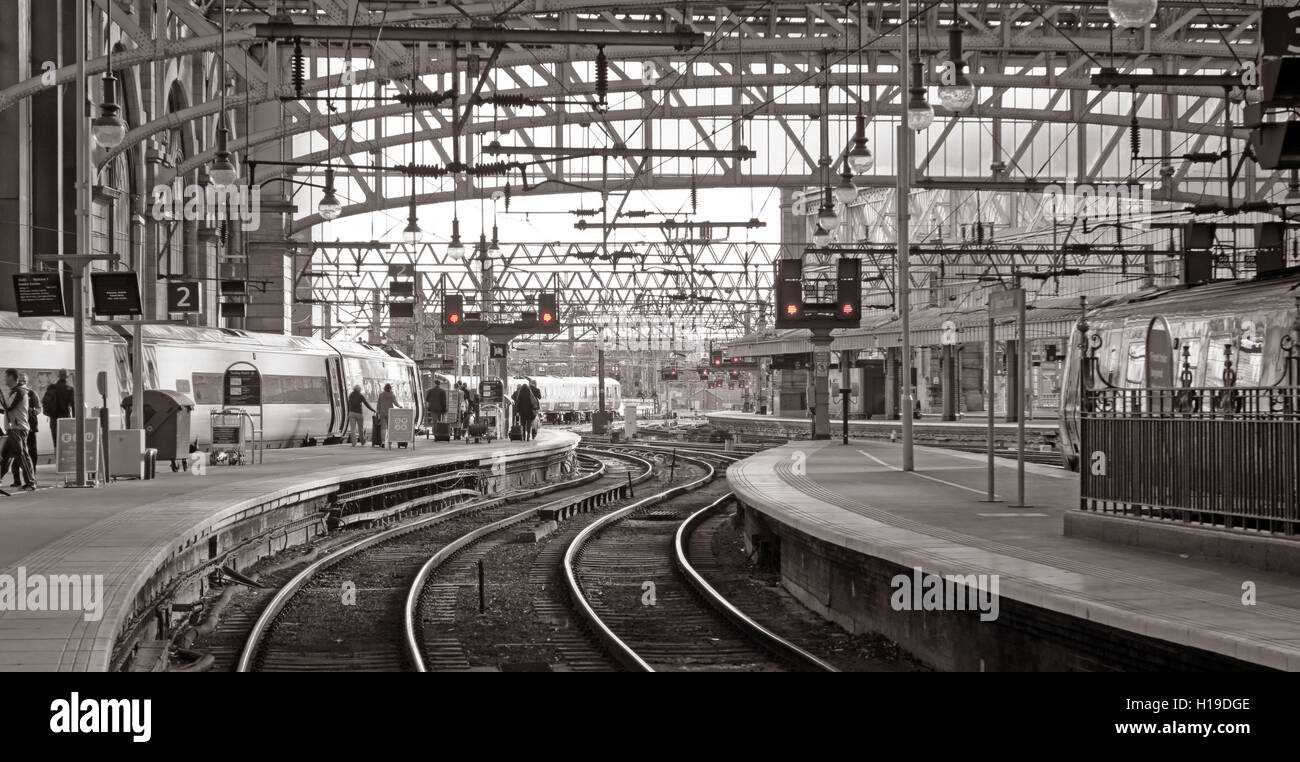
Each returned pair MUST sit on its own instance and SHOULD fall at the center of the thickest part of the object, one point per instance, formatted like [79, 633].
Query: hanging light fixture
[494, 249]
[826, 216]
[412, 233]
[1132, 14]
[821, 236]
[222, 170]
[108, 129]
[846, 192]
[329, 207]
[860, 158]
[960, 94]
[920, 114]
[455, 249]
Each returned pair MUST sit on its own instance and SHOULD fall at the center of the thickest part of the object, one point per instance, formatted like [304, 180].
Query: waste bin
[166, 423]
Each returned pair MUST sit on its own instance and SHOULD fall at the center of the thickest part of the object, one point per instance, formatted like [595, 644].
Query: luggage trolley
[235, 437]
[488, 424]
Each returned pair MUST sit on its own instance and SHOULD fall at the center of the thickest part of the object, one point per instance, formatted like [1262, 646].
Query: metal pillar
[82, 263]
[904, 255]
[949, 379]
[600, 420]
[821, 341]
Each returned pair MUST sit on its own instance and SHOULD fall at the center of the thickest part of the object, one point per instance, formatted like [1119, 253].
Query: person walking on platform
[58, 403]
[16, 421]
[387, 401]
[356, 403]
[525, 409]
[33, 418]
[436, 402]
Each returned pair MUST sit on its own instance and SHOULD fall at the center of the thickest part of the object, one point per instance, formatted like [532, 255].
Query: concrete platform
[849, 519]
[126, 530]
[969, 430]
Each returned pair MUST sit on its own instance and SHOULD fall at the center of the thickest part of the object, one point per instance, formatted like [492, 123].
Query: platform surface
[123, 530]
[857, 497]
[970, 427]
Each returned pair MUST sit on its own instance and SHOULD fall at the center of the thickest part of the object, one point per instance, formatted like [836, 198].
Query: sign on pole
[39, 294]
[66, 457]
[115, 293]
[1006, 305]
[184, 296]
[241, 387]
[821, 363]
[948, 333]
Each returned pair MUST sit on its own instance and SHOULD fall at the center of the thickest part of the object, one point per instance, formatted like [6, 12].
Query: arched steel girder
[724, 50]
[620, 183]
[732, 111]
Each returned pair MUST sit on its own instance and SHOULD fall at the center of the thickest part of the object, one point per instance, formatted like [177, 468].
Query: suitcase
[516, 433]
[478, 431]
[442, 431]
[376, 435]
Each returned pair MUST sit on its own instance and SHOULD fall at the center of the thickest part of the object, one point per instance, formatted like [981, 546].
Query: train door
[338, 394]
[873, 387]
[417, 394]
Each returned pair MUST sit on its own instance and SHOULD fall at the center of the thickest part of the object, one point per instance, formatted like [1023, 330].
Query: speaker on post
[1270, 250]
[1277, 145]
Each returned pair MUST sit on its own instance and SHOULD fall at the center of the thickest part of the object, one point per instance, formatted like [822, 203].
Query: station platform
[1039, 433]
[849, 520]
[126, 530]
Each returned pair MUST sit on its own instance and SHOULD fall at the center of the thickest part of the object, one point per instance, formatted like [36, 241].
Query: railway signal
[837, 307]
[453, 310]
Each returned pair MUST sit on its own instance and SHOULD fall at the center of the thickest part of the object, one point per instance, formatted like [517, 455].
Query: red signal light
[792, 309]
[547, 317]
[453, 318]
[848, 309]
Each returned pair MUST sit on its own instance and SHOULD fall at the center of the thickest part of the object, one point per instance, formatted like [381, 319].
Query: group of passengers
[358, 404]
[22, 414]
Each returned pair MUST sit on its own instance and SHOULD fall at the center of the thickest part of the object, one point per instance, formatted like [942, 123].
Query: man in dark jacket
[436, 402]
[356, 401]
[16, 401]
[525, 409]
[33, 418]
[58, 403]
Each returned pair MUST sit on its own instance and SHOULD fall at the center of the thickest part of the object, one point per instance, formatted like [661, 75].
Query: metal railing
[1217, 456]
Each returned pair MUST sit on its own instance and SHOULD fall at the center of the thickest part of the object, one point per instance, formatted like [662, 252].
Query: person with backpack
[58, 403]
[356, 401]
[387, 401]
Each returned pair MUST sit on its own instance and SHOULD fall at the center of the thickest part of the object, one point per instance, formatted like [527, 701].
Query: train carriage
[1250, 317]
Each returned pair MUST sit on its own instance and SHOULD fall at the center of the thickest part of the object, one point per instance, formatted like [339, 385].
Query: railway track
[346, 609]
[630, 581]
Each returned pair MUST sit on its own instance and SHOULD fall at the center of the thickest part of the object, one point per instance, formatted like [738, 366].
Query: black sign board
[234, 287]
[184, 296]
[792, 362]
[116, 293]
[497, 351]
[39, 294]
[401, 310]
[241, 387]
[401, 288]
[1280, 31]
[232, 309]
[489, 390]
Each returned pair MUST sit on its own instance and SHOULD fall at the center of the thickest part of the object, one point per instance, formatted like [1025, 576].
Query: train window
[207, 388]
[1135, 372]
[1214, 360]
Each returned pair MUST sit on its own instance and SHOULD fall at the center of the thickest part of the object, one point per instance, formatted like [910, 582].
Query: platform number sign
[184, 296]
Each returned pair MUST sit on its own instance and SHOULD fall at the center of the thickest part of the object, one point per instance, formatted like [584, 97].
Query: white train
[305, 381]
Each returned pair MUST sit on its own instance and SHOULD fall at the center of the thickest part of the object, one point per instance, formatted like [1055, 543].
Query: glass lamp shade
[959, 96]
[108, 130]
[329, 207]
[821, 236]
[494, 250]
[919, 116]
[412, 234]
[456, 250]
[827, 218]
[846, 192]
[222, 170]
[1132, 14]
[860, 158]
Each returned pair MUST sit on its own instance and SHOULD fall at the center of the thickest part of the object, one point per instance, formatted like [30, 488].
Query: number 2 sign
[184, 296]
